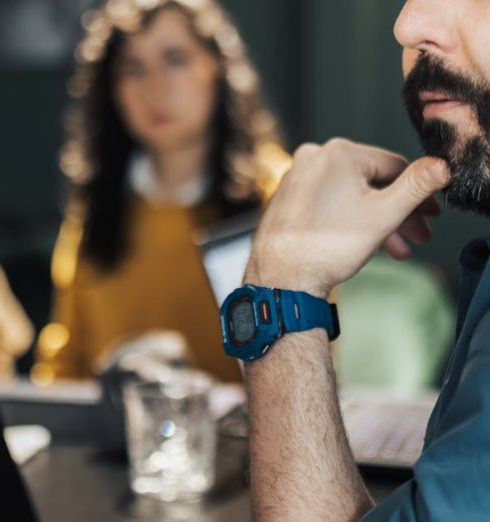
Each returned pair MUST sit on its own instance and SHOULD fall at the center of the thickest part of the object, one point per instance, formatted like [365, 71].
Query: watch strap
[301, 311]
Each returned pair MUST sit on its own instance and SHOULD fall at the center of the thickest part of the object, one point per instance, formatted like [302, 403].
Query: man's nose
[427, 25]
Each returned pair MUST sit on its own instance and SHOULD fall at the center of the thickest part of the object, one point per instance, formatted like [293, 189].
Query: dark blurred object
[15, 501]
[39, 33]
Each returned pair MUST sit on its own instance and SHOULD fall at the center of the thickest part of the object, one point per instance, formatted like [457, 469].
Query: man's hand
[339, 204]
[333, 210]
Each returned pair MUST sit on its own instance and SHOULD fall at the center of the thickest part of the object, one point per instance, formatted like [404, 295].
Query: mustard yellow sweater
[161, 284]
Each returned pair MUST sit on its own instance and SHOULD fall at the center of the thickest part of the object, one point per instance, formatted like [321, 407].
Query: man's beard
[468, 158]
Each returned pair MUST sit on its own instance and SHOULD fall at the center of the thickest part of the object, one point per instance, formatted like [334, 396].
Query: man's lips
[436, 103]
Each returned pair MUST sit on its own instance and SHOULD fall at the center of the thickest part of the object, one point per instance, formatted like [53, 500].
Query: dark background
[329, 68]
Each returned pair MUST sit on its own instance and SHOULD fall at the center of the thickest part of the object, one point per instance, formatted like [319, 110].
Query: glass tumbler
[171, 436]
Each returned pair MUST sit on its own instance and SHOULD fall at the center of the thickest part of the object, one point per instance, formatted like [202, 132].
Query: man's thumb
[419, 181]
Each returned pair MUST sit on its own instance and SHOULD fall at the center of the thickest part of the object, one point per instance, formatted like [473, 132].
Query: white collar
[144, 182]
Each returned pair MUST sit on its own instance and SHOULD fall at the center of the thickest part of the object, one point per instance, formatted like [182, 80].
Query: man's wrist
[255, 275]
[289, 352]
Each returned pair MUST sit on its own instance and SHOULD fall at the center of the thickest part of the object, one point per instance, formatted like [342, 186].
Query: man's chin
[470, 172]
[450, 135]
[453, 200]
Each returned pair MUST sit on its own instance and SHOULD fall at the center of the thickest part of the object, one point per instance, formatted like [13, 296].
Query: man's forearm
[321, 227]
[302, 466]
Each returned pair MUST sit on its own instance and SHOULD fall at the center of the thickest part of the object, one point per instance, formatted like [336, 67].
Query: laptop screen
[225, 261]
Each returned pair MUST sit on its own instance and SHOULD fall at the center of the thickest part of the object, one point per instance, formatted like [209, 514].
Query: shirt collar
[143, 181]
[475, 254]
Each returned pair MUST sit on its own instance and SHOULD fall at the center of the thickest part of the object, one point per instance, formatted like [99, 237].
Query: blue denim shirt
[452, 477]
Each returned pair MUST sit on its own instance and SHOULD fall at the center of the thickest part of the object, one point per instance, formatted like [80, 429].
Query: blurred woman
[170, 135]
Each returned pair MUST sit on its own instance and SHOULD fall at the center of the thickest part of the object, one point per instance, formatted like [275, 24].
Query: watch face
[242, 321]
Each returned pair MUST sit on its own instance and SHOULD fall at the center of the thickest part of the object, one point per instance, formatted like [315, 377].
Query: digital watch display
[242, 321]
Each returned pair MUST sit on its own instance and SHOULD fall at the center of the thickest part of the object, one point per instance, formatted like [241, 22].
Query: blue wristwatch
[253, 318]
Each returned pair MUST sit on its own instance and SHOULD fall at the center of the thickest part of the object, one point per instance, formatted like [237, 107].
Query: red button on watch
[265, 312]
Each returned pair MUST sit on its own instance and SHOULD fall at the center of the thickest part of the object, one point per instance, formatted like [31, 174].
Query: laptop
[383, 431]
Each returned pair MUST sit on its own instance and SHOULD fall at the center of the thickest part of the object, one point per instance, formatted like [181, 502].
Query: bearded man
[338, 205]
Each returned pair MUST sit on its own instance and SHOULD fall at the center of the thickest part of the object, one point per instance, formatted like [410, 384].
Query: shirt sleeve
[451, 477]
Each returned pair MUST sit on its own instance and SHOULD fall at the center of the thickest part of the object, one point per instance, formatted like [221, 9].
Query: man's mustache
[430, 74]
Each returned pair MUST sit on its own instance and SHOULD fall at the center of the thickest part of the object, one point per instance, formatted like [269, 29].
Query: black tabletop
[81, 484]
